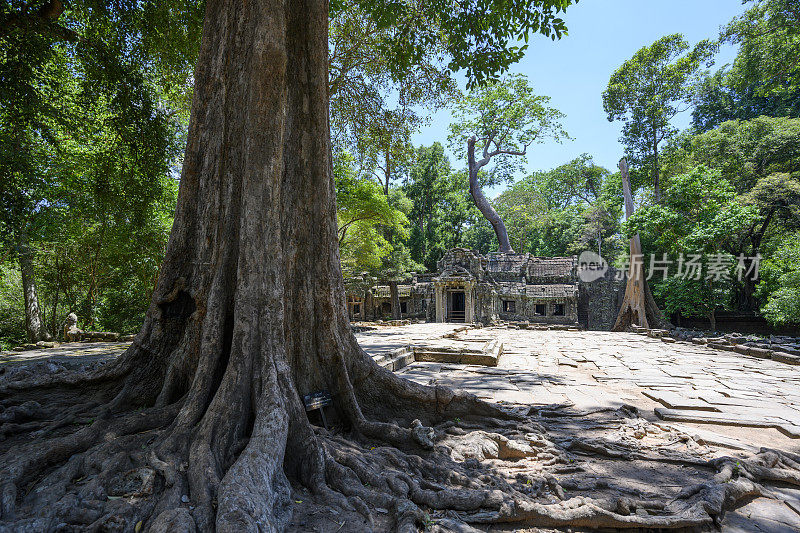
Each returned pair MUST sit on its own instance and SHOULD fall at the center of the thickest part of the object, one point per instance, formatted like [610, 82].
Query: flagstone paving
[706, 389]
[720, 398]
[67, 353]
[735, 399]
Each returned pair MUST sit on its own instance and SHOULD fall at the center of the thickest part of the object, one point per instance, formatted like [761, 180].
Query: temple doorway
[457, 308]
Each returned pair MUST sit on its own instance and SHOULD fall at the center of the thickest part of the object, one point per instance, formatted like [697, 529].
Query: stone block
[45, 344]
[784, 357]
[403, 360]
[720, 346]
[762, 353]
[728, 419]
[676, 401]
[742, 349]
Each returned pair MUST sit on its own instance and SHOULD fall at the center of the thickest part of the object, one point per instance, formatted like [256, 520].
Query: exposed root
[451, 461]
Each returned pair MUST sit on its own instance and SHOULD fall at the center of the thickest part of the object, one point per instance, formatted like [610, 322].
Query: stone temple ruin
[469, 287]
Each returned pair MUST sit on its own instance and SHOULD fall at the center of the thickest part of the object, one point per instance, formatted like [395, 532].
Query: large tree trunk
[638, 306]
[249, 313]
[482, 203]
[200, 424]
[34, 325]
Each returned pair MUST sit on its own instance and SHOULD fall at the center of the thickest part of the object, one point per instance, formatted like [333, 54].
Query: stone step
[728, 419]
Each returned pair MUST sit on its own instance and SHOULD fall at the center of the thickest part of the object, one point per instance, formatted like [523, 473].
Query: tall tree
[373, 105]
[648, 91]
[723, 96]
[364, 213]
[764, 78]
[700, 218]
[248, 314]
[768, 36]
[499, 121]
[83, 128]
[760, 159]
[779, 287]
[638, 306]
[441, 205]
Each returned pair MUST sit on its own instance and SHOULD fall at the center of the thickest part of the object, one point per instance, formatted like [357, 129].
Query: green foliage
[89, 131]
[506, 117]
[700, 215]
[476, 37]
[693, 297]
[373, 108]
[649, 90]
[442, 210]
[563, 211]
[779, 287]
[764, 79]
[700, 212]
[12, 307]
[719, 99]
[366, 217]
[389, 59]
[749, 201]
[744, 151]
[768, 36]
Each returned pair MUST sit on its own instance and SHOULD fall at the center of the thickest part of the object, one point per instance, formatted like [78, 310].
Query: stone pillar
[469, 306]
[368, 306]
[439, 303]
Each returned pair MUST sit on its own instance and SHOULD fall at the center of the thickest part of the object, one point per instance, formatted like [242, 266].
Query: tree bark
[248, 315]
[480, 199]
[34, 325]
[638, 306]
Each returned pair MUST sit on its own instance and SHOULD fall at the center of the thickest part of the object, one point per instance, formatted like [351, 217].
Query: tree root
[456, 461]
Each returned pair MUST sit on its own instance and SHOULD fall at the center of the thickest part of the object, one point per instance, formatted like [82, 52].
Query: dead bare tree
[638, 306]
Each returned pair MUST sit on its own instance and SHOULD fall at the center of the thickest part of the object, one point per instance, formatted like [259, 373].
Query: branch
[511, 152]
[43, 22]
[486, 144]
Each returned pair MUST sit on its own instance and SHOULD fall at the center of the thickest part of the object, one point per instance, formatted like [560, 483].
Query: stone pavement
[721, 397]
[67, 353]
[756, 401]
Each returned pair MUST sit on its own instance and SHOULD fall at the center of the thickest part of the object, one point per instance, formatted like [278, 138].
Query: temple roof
[551, 267]
[500, 262]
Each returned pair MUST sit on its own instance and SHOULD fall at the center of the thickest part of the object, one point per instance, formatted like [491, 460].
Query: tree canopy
[648, 91]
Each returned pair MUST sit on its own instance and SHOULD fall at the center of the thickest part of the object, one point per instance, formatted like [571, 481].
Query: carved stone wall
[509, 287]
[599, 301]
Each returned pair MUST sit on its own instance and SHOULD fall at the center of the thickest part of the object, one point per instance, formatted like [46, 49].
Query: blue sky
[574, 71]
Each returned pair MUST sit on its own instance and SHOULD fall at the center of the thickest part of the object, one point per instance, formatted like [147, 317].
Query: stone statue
[71, 331]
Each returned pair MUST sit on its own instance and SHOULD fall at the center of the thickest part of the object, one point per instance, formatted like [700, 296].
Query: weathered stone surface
[676, 401]
[784, 357]
[759, 352]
